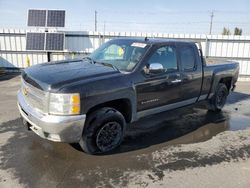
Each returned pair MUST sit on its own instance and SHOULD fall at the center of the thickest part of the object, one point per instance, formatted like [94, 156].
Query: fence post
[27, 61]
[207, 45]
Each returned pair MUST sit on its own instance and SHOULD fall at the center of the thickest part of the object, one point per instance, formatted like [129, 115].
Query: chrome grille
[35, 97]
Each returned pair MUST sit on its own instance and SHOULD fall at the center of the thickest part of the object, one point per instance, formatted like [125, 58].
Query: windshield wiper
[89, 59]
[102, 63]
[108, 65]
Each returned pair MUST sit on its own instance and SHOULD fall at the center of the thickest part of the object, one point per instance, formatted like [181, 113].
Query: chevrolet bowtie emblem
[25, 91]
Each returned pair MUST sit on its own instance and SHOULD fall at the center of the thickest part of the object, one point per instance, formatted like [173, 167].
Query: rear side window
[187, 58]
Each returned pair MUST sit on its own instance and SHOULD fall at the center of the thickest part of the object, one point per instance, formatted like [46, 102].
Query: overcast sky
[175, 16]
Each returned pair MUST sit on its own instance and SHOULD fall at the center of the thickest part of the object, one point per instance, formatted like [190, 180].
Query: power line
[174, 12]
[155, 23]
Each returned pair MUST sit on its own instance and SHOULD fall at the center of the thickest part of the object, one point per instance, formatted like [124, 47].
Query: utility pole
[104, 30]
[104, 27]
[95, 20]
[211, 22]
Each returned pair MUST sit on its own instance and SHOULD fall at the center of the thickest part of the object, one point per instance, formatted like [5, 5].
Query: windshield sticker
[120, 52]
[139, 45]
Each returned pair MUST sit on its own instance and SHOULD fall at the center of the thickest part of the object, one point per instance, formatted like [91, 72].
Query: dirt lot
[184, 148]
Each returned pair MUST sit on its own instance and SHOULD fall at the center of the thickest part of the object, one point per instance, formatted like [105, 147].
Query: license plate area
[32, 123]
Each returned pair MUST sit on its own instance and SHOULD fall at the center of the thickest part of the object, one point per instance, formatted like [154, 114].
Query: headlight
[64, 104]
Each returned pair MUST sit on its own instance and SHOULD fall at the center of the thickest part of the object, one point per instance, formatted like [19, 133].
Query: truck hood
[54, 75]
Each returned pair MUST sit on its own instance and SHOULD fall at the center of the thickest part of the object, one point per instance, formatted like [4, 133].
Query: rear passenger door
[191, 71]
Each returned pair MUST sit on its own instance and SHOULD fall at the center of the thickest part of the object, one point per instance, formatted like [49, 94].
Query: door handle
[176, 81]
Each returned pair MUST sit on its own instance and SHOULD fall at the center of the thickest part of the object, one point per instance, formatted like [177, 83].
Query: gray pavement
[187, 147]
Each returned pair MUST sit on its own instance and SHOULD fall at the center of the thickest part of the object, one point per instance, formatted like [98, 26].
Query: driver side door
[160, 90]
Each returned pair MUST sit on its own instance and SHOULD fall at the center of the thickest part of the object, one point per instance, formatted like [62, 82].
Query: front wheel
[218, 101]
[104, 130]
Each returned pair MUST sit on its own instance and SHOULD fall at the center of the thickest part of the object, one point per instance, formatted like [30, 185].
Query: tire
[104, 131]
[217, 102]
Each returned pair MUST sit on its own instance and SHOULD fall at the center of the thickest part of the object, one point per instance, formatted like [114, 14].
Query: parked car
[91, 100]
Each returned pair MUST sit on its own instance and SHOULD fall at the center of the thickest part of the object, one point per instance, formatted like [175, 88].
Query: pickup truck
[90, 101]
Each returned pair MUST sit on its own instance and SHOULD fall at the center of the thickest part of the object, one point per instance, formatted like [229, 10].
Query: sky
[157, 16]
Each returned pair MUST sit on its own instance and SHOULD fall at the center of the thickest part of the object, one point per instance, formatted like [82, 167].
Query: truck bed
[216, 61]
[215, 71]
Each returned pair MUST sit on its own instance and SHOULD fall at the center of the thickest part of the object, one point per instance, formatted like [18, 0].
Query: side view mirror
[154, 68]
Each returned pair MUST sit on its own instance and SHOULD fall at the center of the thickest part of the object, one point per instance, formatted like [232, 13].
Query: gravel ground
[187, 147]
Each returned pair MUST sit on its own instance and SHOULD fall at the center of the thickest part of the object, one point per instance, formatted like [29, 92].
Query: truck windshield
[122, 54]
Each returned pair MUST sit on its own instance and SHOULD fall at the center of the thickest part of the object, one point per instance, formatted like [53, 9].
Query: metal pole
[211, 23]
[95, 20]
[48, 56]
[104, 27]
[104, 30]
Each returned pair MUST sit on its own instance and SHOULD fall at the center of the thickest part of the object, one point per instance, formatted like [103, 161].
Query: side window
[113, 52]
[166, 56]
[187, 58]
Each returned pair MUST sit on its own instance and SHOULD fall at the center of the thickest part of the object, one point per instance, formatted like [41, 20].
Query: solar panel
[37, 18]
[35, 41]
[56, 18]
[54, 41]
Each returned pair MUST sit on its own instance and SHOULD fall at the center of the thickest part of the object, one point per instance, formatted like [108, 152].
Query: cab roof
[153, 41]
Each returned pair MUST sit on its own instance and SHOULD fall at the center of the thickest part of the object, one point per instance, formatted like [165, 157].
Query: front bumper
[56, 128]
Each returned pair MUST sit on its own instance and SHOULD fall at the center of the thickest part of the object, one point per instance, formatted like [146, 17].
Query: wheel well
[122, 105]
[227, 81]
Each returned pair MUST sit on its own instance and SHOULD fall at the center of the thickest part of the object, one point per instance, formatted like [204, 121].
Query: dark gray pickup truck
[90, 100]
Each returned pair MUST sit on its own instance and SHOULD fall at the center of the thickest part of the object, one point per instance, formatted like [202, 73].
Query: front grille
[35, 97]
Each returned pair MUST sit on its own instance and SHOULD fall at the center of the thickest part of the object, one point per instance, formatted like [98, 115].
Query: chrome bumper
[56, 128]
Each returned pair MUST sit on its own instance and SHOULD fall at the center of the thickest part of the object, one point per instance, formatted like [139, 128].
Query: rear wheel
[104, 131]
[218, 101]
